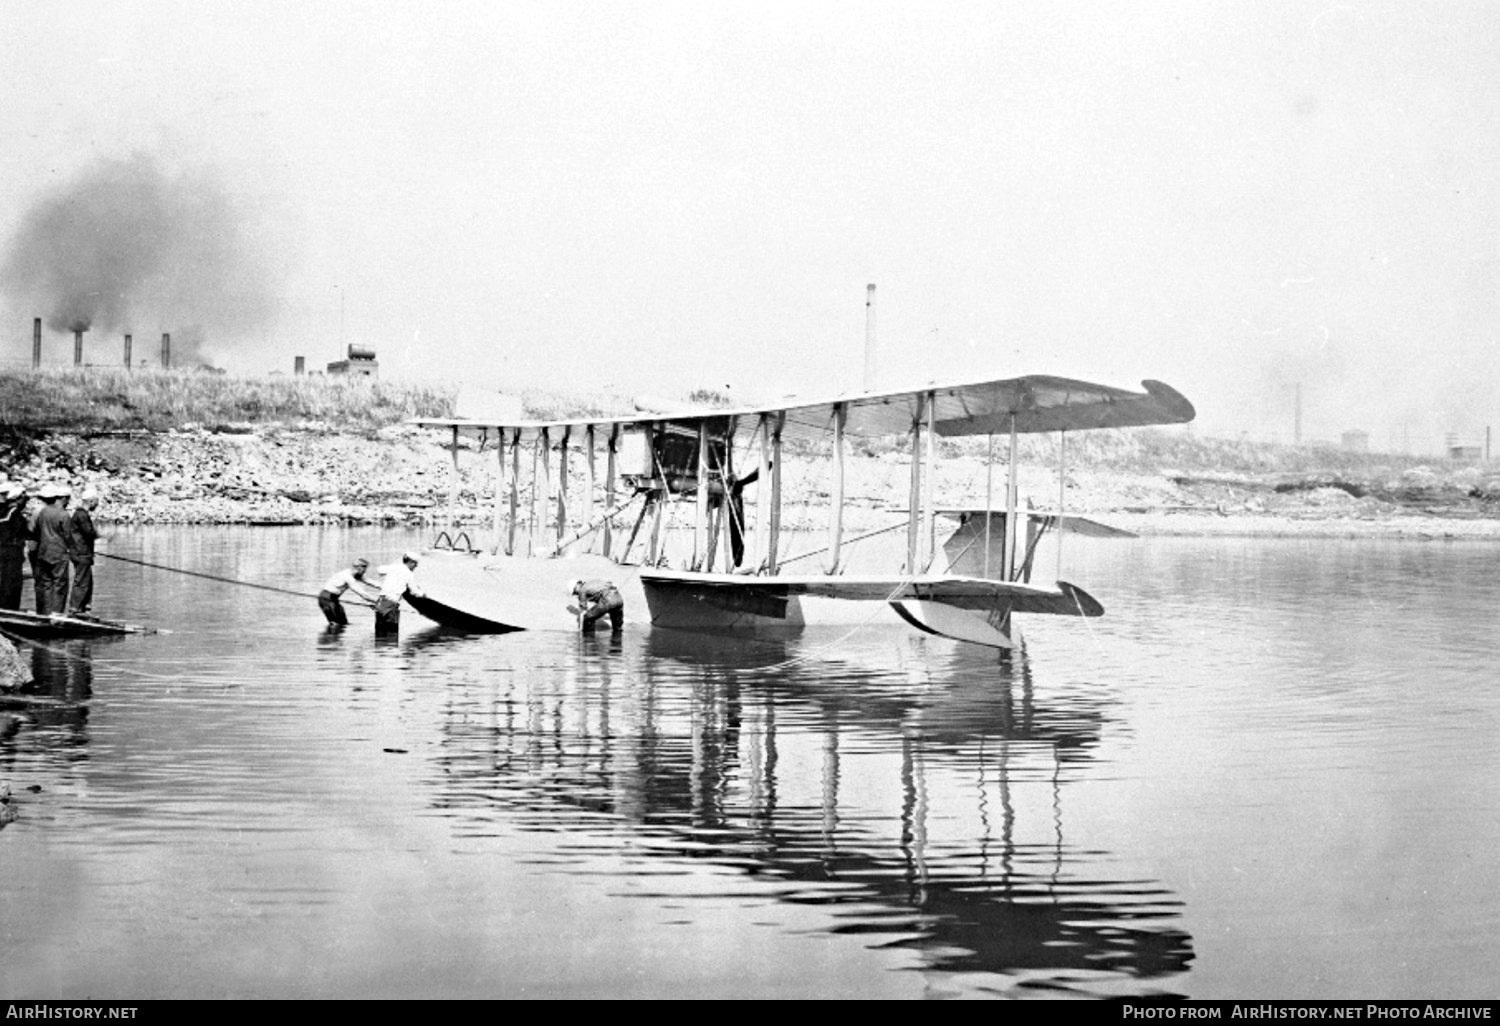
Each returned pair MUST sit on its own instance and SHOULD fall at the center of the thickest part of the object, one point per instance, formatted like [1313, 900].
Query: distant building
[1462, 452]
[1355, 441]
[361, 361]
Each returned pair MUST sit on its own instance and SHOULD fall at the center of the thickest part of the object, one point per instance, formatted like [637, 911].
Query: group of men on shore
[38, 524]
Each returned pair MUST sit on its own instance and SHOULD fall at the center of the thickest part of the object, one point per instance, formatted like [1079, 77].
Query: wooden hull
[496, 594]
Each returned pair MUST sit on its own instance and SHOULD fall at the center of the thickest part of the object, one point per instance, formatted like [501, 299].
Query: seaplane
[696, 464]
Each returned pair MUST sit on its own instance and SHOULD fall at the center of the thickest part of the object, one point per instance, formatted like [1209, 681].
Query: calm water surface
[1269, 771]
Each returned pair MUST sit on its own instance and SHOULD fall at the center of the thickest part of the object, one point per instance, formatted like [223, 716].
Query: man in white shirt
[351, 578]
[395, 586]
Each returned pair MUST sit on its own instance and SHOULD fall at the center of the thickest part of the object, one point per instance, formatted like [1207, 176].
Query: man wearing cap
[395, 585]
[595, 600]
[13, 536]
[351, 578]
[81, 552]
[53, 540]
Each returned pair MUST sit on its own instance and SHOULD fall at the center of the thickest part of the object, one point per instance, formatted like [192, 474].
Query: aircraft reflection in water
[924, 805]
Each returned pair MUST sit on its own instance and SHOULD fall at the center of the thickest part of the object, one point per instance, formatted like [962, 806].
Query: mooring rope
[225, 580]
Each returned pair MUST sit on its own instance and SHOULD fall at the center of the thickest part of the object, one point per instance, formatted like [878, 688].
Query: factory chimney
[166, 349]
[127, 352]
[36, 343]
[77, 347]
[299, 365]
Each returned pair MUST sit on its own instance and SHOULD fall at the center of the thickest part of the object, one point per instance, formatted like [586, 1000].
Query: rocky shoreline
[402, 476]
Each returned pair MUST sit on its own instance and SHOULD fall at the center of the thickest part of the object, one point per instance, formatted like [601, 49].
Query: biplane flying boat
[736, 577]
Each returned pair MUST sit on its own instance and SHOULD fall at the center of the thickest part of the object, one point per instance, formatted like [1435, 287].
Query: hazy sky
[650, 197]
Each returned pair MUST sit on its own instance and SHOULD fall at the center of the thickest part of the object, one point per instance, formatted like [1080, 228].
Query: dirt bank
[402, 475]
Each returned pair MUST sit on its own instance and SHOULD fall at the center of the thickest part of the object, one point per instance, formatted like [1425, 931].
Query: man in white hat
[13, 535]
[396, 585]
[81, 552]
[53, 540]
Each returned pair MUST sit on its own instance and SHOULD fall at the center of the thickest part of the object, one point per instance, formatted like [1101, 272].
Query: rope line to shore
[225, 580]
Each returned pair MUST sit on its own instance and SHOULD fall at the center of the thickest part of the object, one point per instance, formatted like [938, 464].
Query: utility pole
[869, 338]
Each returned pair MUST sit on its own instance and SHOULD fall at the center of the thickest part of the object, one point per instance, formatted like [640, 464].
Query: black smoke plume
[127, 246]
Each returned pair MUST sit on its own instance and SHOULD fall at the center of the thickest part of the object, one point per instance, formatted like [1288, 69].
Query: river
[1269, 771]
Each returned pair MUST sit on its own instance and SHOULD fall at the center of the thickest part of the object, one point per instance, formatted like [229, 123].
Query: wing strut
[929, 507]
[836, 499]
[1009, 568]
[914, 499]
[989, 493]
[1062, 492]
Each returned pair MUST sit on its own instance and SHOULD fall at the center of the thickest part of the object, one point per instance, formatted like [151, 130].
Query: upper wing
[1027, 404]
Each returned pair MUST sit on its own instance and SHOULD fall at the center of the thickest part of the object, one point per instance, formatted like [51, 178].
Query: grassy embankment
[1181, 468]
[94, 400]
[98, 400]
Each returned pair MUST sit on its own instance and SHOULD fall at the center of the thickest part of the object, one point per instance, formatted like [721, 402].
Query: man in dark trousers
[395, 585]
[596, 599]
[33, 507]
[81, 553]
[53, 540]
[351, 579]
[13, 537]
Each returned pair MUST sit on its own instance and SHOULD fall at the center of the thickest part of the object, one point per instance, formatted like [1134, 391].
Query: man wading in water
[395, 586]
[350, 579]
[597, 599]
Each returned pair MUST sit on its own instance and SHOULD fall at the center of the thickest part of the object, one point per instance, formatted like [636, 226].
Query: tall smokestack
[166, 349]
[127, 352]
[869, 338]
[36, 343]
[77, 347]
